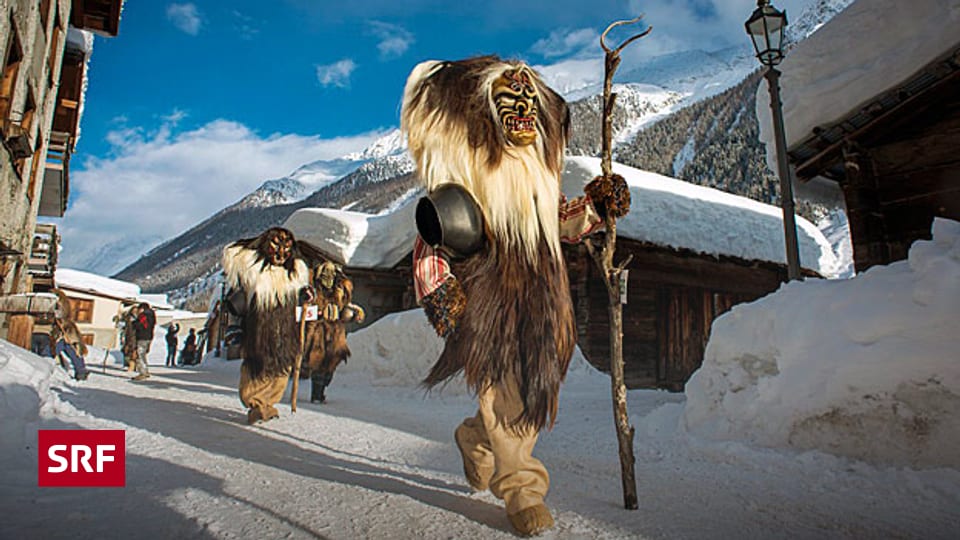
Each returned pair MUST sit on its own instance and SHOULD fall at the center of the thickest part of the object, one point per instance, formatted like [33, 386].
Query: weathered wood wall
[381, 292]
[901, 174]
[673, 298]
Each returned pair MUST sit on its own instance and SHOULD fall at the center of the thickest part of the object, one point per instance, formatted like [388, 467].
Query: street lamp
[765, 27]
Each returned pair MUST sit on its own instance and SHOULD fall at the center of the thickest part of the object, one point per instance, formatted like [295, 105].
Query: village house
[697, 252]
[97, 303]
[876, 121]
[45, 46]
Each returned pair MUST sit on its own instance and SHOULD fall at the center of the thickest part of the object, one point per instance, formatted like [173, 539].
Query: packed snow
[840, 366]
[826, 410]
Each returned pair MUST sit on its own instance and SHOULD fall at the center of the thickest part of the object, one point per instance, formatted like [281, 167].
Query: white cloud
[576, 59]
[394, 40]
[337, 73]
[245, 25]
[158, 184]
[564, 42]
[185, 17]
[568, 76]
[695, 24]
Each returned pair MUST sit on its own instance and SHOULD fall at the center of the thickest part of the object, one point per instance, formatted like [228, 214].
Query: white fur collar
[271, 286]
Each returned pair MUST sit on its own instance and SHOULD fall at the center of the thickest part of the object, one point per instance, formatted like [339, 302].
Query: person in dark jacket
[190, 349]
[172, 343]
[144, 324]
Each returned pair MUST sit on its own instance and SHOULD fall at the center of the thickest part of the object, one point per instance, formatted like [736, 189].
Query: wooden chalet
[673, 297]
[875, 121]
[383, 291]
[895, 159]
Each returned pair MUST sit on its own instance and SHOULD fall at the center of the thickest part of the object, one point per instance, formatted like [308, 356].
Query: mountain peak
[389, 144]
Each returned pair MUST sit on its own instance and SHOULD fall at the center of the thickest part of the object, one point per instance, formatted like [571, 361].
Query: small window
[11, 67]
[87, 339]
[82, 309]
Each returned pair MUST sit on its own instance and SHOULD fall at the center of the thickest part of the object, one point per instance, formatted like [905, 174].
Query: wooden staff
[612, 273]
[296, 369]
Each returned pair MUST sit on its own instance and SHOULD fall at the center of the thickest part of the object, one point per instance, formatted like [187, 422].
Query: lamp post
[765, 27]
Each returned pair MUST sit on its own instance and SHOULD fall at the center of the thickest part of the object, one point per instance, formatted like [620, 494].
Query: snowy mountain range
[650, 92]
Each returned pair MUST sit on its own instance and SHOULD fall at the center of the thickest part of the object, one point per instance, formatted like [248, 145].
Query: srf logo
[81, 458]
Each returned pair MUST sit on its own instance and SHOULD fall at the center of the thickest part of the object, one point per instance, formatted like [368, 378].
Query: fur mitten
[609, 194]
[444, 306]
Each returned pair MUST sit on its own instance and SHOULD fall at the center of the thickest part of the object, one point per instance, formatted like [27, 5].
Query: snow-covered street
[378, 461]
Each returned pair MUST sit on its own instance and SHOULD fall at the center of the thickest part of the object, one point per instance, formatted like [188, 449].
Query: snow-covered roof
[158, 301]
[80, 39]
[180, 314]
[665, 212]
[670, 212]
[867, 49]
[356, 239]
[79, 280]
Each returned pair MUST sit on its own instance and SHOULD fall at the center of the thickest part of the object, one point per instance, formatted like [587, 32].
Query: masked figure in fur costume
[325, 346]
[496, 129]
[267, 277]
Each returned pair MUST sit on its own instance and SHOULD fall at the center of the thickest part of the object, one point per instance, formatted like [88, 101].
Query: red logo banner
[81, 458]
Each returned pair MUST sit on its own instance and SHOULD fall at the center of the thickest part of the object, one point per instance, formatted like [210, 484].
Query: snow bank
[399, 350]
[25, 396]
[841, 365]
[674, 213]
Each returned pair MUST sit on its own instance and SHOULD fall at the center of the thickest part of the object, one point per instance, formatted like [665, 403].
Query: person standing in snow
[66, 340]
[190, 349]
[493, 129]
[143, 325]
[172, 343]
[266, 278]
[325, 345]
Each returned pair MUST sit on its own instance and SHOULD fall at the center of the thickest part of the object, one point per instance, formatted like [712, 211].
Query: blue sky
[194, 104]
[302, 67]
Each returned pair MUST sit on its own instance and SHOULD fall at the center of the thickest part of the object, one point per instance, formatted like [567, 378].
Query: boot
[270, 412]
[532, 521]
[477, 477]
